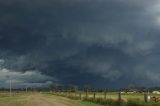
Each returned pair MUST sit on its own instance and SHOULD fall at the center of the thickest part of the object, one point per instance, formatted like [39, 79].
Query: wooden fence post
[119, 99]
[145, 97]
[94, 95]
[105, 94]
[75, 94]
[86, 93]
[80, 96]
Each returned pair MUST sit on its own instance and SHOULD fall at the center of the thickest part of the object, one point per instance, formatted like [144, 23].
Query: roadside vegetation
[111, 99]
[130, 96]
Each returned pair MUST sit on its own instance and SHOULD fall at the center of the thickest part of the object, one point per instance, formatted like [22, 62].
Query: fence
[104, 97]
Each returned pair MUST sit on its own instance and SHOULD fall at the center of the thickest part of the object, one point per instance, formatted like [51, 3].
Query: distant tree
[75, 88]
[99, 90]
[72, 88]
[53, 86]
[87, 88]
[131, 86]
[60, 88]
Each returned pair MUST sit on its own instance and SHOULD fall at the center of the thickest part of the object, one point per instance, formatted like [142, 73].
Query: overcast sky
[104, 43]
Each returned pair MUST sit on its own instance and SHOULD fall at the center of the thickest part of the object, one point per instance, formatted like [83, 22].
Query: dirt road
[41, 100]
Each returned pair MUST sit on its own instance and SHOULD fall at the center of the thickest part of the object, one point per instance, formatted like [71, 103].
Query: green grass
[114, 95]
[80, 103]
[14, 100]
[136, 99]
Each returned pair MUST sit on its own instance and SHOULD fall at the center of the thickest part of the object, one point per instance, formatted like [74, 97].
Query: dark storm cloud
[112, 41]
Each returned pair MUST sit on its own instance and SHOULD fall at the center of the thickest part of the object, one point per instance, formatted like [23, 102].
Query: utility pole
[26, 89]
[10, 87]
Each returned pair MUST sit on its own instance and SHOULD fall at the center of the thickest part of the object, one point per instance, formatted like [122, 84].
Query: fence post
[86, 93]
[94, 95]
[145, 98]
[75, 94]
[80, 96]
[119, 99]
[105, 94]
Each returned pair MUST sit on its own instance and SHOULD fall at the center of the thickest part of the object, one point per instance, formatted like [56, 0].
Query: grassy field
[48, 99]
[111, 99]
[114, 95]
[39, 99]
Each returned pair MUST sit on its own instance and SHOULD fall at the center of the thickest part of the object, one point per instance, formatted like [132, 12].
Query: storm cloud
[105, 43]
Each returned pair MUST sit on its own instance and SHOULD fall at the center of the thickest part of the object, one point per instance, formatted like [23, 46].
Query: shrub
[108, 102]
[136, 102]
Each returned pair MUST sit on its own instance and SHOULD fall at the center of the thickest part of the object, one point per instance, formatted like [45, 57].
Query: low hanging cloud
[31, 78]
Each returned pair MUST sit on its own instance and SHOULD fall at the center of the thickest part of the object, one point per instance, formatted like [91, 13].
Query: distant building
[130, 92]
[122, 92]
[156, 92]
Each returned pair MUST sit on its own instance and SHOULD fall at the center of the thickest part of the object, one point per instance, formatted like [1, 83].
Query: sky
[103, 43]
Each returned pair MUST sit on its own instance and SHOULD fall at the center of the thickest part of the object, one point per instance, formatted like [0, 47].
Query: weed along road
[39, 99]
